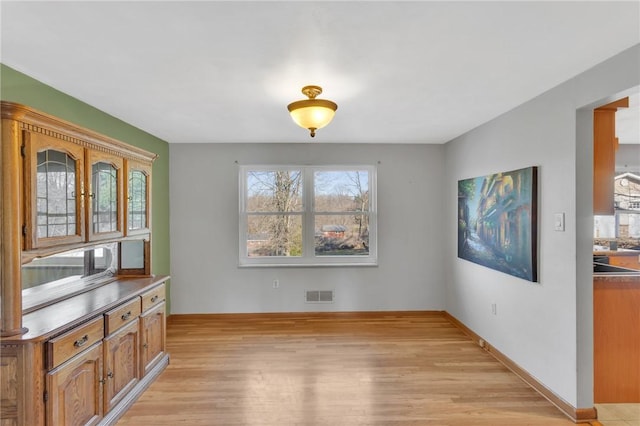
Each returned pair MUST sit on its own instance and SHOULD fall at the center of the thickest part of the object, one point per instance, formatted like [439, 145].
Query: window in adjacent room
[307, 215]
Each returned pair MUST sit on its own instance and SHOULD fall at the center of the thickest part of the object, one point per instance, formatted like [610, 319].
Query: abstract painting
[497, 218]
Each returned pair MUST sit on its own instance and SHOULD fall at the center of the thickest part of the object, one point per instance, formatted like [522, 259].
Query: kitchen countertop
[619, 252]
[613, 277]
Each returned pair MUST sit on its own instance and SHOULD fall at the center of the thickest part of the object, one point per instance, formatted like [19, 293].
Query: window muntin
[307, 215]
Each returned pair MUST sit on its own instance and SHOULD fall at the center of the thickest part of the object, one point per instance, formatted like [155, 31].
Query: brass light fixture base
[311, 91]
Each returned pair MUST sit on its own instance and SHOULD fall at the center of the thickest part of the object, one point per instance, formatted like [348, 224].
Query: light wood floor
[619, 414]
[338, 369]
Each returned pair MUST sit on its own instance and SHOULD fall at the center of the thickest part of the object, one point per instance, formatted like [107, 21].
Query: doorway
[616, 260]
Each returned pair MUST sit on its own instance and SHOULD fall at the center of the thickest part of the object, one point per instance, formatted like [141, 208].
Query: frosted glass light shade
[312, 114]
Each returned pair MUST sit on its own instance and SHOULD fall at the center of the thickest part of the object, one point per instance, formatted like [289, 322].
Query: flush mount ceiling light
[312, 113]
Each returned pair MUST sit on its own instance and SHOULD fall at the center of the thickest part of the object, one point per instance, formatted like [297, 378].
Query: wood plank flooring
[397, 368]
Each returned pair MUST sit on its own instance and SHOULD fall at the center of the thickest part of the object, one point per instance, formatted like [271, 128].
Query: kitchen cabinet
[605, 145]
[616, 338]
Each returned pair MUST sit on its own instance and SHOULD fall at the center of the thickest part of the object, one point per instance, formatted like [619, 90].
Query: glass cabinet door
[54, 191]
[138, 197]
[105, 173]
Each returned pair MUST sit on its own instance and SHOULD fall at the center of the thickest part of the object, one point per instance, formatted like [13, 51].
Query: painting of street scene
[497, 216]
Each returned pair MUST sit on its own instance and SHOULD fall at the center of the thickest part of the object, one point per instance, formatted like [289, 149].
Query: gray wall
[545, 327]
[204, 232]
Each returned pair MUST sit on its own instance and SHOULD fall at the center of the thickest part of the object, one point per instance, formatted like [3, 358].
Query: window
[307, 215]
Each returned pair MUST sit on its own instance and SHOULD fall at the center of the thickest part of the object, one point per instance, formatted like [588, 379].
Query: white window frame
[308, 258]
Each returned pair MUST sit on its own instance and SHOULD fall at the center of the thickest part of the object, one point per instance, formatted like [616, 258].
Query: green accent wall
[20, 88]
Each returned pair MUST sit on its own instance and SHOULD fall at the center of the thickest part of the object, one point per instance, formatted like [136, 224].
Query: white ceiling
[401, 72]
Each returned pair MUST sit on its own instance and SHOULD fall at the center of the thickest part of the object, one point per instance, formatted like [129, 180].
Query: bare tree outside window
[307, 215]
[274, 195]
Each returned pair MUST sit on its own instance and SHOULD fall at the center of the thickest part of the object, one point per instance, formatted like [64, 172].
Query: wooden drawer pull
[154, 298]
[81, 342]
[126, 316]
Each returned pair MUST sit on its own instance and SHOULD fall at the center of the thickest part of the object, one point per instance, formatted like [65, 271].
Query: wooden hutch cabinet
[83, 322]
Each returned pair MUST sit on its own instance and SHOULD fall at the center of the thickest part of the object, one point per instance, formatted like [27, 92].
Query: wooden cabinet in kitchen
[605, 145]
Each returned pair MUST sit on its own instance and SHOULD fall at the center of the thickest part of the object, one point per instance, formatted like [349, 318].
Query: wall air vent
[319, 296]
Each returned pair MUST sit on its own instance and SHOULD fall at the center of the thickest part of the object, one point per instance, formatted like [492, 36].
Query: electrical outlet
[276, 284]
[494, 308]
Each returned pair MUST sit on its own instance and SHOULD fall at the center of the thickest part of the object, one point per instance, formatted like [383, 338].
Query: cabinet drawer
[153, 297]
[73, 342]
[122, 315]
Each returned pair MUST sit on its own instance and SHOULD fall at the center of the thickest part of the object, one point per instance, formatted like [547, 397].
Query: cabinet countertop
[617, 278]
[619, 252]
[58, 317]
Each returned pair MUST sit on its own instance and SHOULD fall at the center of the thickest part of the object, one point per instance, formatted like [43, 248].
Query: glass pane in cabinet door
[55, 194]
[104, 183]
[137, 200]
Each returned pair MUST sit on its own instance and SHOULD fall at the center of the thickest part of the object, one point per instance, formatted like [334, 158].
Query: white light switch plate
[558, 221]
